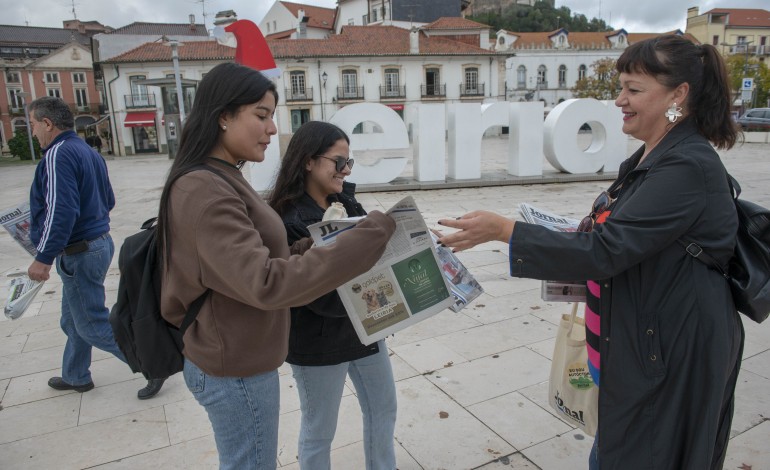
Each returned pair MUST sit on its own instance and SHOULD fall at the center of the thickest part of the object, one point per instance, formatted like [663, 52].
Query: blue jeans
[84, 317]
[593, 457]
[320, 392]
[244, 414]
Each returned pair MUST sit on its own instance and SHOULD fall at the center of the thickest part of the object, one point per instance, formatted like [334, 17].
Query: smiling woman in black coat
[669, 337]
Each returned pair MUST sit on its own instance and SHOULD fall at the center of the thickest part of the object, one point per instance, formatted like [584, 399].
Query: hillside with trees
[541, 17]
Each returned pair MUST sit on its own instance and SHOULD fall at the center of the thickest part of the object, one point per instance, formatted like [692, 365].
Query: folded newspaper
[16, 221]
[405, 286]
[555, 291]
[464, 286]
[21, 292]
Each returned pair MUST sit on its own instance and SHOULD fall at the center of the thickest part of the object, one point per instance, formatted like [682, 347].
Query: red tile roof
[319, 17]
[747, 17]
[579, 40]
[371, 41]
[194, 50]
[176, 29]
[353, 41]
[455, 23]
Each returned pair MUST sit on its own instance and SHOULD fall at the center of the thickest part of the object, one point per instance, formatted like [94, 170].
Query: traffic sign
[747, 84]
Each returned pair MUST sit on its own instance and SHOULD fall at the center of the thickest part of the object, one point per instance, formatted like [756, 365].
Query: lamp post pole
[24, 95]
[177, 79]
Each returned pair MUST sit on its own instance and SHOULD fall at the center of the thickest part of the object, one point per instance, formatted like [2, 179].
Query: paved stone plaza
[472, 386]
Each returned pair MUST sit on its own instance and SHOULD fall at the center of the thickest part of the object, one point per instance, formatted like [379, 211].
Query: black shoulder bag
[748, 272]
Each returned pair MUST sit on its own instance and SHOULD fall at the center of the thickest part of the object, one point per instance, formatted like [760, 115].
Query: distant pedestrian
[70, 203]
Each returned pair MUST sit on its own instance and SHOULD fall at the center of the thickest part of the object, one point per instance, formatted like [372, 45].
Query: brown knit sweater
[226, 238]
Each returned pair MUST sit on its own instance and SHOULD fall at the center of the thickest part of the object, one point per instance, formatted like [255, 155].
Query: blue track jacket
[71, 197]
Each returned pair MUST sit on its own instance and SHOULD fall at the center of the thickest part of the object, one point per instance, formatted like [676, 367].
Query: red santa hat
[250, 46]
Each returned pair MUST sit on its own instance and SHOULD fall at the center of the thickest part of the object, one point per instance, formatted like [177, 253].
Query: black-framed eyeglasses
[340, 162]
[600, 206]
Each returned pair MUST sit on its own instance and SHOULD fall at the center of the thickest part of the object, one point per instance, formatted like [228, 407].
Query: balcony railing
[392, 92]
[139, 101]
[15, 111]
[299, 94]
[472, 90]
[79, 109]
[350, 93]
[433, 91]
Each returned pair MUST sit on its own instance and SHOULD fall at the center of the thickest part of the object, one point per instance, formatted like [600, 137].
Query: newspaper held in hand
[21, 291]
[464, 286]
[404, 287]
[555, 291]
[16, 221]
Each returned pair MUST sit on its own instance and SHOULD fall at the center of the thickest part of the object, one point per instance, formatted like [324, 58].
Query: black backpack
[151, 345]
[749, 270]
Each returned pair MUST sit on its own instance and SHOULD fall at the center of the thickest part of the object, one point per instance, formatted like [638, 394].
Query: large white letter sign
[467, 124]
[561, 128]
[429, 142]
[263, 174]
[525, 139]
[393, 136]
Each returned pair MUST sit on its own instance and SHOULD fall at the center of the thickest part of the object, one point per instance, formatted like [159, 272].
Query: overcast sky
[634, 16]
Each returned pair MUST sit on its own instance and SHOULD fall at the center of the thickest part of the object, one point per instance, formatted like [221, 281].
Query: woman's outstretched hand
[475, 228]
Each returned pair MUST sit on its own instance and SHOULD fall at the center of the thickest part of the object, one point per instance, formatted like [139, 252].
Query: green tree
[602, 85]
[541, 17]
[19, 145]
[740, 66]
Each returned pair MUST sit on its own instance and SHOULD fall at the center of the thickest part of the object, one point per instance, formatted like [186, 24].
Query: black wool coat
[321, 333]
[671, 339]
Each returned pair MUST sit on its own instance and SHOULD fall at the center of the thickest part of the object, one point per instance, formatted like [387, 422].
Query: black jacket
[321, 332]
[671, 338]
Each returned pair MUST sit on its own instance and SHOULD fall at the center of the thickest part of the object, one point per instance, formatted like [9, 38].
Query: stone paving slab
[472, 386]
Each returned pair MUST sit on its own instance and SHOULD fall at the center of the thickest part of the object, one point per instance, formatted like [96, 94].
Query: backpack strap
[695, 250]
[192, 312]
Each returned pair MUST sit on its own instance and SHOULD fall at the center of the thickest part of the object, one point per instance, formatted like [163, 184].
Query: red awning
[395, 107]
[139, 120]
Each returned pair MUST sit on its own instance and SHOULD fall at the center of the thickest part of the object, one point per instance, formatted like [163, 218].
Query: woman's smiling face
[644, 102]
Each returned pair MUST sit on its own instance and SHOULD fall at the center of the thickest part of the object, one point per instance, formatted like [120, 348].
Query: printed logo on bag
[579, 377]
[576, 415]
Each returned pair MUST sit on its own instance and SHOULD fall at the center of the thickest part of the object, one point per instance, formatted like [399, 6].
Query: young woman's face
[323, 179]
[246, 134]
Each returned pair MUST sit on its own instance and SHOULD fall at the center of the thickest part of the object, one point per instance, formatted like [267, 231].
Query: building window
[374, 14]
[391, 82]
[349, 84]
[19, 125]
[715, 40]
[13, 77]
[15, 101]
[139, 96]
[297, 84]
[54, 92]
[562, 76]
[521, 77]
[541, 74]
[741, 40]
[78, 77]
[81, 98]
[582, 71]
[433, 86]
[52, 77]
[299, 117]
[472, 80]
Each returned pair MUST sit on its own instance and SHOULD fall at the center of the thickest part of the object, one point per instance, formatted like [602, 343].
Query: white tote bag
[571, 390]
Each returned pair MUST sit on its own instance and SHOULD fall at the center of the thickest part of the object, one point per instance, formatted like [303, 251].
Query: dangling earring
[674, 112]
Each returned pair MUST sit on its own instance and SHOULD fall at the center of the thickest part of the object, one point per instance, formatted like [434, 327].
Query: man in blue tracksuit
[70, 203]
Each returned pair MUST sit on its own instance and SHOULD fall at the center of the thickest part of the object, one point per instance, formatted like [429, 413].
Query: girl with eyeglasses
[666, 334]
[323, 346]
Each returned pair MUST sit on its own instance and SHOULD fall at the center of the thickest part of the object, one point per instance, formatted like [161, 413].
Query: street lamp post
[324, 77]
[177, 79]
[24, 95]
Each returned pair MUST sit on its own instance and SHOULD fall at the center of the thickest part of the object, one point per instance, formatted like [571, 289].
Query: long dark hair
[222, 91]
[314, 138]
[674, 60]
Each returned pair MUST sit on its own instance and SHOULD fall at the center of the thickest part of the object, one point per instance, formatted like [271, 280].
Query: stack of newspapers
[555, 291]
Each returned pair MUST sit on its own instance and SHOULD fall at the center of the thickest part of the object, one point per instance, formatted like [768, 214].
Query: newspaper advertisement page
[21, 291]
[17, 221]
[404, 287]
[464, 286]
[555, 291]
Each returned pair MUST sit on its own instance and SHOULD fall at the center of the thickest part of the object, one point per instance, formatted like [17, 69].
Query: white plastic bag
[21, 291]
